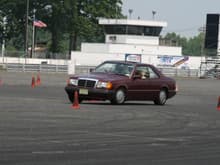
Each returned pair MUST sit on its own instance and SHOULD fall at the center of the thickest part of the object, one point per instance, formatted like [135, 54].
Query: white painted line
[48, 152]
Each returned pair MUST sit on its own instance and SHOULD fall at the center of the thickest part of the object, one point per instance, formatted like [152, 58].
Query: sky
[184, 17]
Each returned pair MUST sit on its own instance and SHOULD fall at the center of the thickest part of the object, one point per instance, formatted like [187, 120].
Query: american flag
[39, 24]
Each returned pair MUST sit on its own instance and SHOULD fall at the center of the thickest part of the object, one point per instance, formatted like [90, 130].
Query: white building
[129, 37]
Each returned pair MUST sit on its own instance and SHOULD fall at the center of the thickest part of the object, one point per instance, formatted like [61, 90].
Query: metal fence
[36, 68]
[173, 72]
[83, 69]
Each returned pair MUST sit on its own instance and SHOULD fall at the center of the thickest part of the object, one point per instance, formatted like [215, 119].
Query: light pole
[153, 14]
[130, 13]
[3, 38]
[202, 31]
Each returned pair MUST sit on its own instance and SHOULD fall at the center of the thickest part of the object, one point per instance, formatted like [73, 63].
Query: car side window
[145, 72]
[152, 73]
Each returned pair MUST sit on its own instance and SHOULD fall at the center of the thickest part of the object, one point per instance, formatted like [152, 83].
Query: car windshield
[115, 68]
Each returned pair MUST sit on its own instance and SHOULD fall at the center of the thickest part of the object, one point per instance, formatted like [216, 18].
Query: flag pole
[33, 37]
[26, 37]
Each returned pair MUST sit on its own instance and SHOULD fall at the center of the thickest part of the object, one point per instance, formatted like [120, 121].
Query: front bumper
[93, 93]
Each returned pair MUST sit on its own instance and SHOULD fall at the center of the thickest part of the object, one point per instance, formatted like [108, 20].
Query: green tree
[193, 46]
[190, 46]
[53, 14]
[83, 18]
[13, 10]
[77, 19]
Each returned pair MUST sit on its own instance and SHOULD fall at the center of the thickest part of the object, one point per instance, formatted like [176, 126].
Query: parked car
[120, 81]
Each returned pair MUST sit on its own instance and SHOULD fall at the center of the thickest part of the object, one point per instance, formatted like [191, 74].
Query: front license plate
[83, 91]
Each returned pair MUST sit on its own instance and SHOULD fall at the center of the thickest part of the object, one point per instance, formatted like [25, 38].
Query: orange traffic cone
[38, 82]
[76, 101]
[33, 82]
[218, 105]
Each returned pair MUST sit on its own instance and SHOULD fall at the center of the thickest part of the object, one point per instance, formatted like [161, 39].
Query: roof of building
[153, 23]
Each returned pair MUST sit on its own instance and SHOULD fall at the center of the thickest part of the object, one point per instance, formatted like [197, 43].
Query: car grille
[86, 83]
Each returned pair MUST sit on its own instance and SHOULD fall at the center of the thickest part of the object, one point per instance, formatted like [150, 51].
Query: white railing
[36, 68]
[172, 72]
[11, 67]
[175, 72]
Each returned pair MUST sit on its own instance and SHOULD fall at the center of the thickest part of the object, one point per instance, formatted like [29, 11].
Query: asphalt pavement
[38, 126]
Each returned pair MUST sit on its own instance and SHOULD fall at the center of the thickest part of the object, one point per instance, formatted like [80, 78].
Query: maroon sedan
[119, 81]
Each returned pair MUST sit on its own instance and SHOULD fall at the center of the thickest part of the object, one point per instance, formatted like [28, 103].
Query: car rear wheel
[119, 97]
[162, 98]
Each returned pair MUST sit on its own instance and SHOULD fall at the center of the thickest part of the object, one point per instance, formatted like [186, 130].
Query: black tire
[119, 97]
[161, 98]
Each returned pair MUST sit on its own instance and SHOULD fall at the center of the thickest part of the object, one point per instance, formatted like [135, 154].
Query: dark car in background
[120, 81]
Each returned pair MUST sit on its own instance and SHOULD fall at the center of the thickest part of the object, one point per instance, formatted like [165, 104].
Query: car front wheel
[119, 97]
[162, 98]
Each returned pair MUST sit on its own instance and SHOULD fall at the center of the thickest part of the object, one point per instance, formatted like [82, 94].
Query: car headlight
[107, 85]
[73, 82]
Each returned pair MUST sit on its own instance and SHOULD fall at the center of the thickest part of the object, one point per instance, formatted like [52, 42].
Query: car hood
[102, 76]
